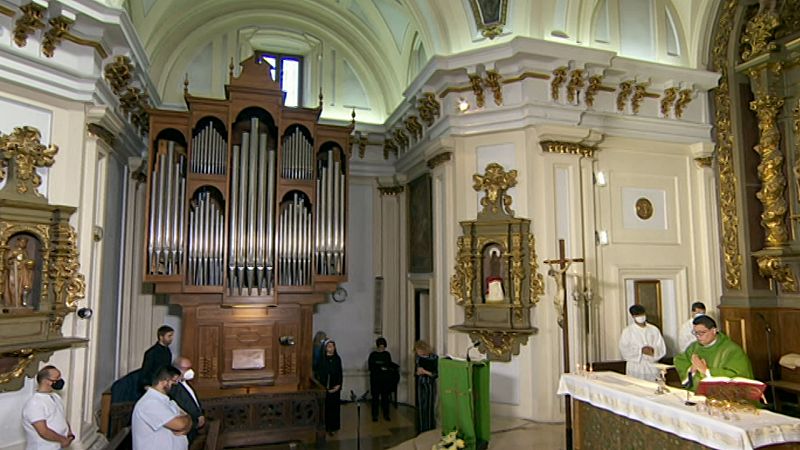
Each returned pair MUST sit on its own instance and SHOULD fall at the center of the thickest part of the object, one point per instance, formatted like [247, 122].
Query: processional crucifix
[558, 270]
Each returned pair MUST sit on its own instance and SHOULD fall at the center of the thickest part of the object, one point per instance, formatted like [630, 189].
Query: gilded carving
[24, 147]
[559, 77]
[517, 272]
[757, 37]
[119, 74]
[770, 170]
[537, 281]
[400, 138]
[492, 81]
[462, 279]
[644, 209]
[772, 267]
[68, 283]
[439, 159]
[389, 146]
[568, 148]
[25, 358]
[576, 83]
[428, 108]
[59, 27]
[499, 345]
[796, 128]
[732, 256]
[476, 83]
[625, 91]
[391, 190]
[704, 161]
[594, 84]
[639, 93]
[495, 182]
[133, 100]
[30, 21]
[102, 133]
[413, 127]
[667, 100]
[684, 97]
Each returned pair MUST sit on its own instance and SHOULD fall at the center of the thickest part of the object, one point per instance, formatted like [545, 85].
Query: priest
[713, 355]
[641, 345]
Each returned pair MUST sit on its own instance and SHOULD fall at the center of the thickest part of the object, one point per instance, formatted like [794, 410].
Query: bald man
[44, 420]
[186, 398]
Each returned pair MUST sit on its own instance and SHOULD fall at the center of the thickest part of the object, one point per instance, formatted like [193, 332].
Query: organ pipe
[168, 190]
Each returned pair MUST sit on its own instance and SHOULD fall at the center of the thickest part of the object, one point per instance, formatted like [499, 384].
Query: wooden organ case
[246, 220]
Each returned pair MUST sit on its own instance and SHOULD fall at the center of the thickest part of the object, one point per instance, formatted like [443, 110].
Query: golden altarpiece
[247, 207]
[39, 278]
[496, 279]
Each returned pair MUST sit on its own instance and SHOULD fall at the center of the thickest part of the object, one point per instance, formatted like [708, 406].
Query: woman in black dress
[329, 374]
[381, 378]
[427, 364]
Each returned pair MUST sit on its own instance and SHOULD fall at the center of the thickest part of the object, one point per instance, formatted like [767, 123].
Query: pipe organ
[246, 226]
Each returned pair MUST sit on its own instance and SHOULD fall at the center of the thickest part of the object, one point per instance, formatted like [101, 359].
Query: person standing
[427, 364]
[157, 356]
[641, 346]
[713, 355]
[381, 386]
[43, 417]
[186, 398]
[329, 375]
[685, 335]
[158, 422]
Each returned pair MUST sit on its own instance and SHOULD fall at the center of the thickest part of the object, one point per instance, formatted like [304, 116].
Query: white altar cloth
[636, 399]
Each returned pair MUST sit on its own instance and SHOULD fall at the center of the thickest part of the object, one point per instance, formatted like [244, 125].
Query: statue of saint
[494, 280]
[19, 274]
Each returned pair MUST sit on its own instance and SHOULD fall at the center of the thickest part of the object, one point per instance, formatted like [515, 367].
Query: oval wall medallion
[644, 209]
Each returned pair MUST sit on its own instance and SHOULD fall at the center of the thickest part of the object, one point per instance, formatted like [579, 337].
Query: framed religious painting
[648, 294]
[420, 225]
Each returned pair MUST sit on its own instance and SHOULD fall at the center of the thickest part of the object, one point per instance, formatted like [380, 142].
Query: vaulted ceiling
[373, 49]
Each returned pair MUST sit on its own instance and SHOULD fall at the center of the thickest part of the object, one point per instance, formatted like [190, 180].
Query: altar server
[641, 345]
[686, 336]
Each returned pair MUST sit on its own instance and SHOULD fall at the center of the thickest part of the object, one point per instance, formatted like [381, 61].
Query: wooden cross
[561, 281]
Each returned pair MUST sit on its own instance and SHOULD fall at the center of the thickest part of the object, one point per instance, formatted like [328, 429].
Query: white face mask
[188, 375]
[640, 319]
[699, 314]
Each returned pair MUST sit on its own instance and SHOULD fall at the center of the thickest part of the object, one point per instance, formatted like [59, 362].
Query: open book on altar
[731, 388]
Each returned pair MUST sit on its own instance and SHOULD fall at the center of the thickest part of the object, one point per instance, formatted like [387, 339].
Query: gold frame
[639, 299]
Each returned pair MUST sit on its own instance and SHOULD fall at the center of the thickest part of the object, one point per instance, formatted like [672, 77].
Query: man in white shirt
[43, 416]
[641, 345]
[685, 335]
[158, 423]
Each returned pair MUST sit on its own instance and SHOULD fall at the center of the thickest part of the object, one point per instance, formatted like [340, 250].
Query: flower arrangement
[449, 441]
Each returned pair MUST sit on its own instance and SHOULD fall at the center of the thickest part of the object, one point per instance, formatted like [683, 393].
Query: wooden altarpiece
[496, 279]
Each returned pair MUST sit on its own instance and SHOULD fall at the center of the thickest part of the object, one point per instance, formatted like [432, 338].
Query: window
[291, 69]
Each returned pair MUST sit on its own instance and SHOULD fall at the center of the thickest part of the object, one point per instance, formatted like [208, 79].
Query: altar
[612, 411]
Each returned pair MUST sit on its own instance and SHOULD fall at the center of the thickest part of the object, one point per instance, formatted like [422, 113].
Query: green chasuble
[724, 359]
[464, 400]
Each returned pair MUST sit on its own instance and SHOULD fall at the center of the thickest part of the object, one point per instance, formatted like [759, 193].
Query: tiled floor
[399, 434]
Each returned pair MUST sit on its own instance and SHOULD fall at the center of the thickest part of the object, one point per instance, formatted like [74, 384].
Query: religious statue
[19, 276]
[494, 280]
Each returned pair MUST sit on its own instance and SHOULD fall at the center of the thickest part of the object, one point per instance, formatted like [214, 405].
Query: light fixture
[600, 178]
[602, 237]
[462, 105]
[85, 313]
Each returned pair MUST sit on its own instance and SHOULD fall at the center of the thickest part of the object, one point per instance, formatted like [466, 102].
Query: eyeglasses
[701, 333]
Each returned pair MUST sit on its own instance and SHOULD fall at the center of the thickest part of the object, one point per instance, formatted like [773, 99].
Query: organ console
[246, 225]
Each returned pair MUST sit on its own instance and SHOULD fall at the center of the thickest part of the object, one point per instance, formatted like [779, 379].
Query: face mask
[58, 385]
[640, 319]
[699, 314]
[188, 375]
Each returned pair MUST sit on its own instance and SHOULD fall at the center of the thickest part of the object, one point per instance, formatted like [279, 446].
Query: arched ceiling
[386, 42]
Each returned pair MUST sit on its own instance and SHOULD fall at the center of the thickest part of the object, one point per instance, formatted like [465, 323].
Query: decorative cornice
[413, 127]
[59, 27]
[526, 75]
[98, 47]
[439, 159]
[568, 148]
[31, 20]
[102, 133]
[391, 190]
[6, 11]
[704, 161]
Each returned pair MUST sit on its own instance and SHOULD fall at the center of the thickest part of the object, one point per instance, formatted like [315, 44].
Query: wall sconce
[85, 313]
[463, 105]
[601, 236]
[600, 178]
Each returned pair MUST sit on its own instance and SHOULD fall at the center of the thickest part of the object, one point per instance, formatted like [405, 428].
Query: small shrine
[39, 278]
[496, 278]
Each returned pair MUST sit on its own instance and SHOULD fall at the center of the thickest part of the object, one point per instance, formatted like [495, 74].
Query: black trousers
[380, 397]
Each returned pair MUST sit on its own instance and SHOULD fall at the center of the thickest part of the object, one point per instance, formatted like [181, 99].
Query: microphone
[766, 324]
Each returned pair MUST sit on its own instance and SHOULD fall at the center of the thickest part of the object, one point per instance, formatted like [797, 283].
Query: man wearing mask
[685, 337]
[43, 416]
[641, 345]
[186, 398]
[157, 422]
[157, 356]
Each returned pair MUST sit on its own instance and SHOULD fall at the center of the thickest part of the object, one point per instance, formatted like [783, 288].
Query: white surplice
[633, 338]
[685, 336]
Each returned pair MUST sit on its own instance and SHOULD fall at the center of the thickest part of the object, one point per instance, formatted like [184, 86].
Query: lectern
[464, 399]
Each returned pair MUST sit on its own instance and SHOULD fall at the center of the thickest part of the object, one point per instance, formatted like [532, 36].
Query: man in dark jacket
[381, 378]
[185, 396]
[157, 356]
